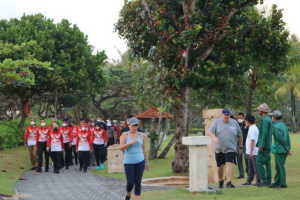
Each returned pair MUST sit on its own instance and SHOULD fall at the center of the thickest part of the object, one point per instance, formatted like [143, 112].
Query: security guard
[264, 144]
[281, 148]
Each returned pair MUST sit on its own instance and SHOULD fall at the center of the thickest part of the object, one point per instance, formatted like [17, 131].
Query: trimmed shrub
[11, 136]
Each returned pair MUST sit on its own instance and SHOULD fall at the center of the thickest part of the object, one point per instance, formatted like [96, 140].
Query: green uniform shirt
[265, 133]
[281, 137]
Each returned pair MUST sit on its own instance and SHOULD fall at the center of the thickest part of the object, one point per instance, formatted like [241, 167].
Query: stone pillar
[197, 162]
[115, 159]
[210, 116]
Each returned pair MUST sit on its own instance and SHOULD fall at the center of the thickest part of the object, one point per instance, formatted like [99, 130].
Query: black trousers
[42, 148]
[56, 158]
[66, 158]
[84, 159]
[111, 141]
[75, 153]
[100, 153]
[92, 158]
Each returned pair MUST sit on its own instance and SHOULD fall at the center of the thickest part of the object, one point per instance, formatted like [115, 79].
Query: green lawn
[162, 167]
[13, 161]
[13, 164]
[158, 167]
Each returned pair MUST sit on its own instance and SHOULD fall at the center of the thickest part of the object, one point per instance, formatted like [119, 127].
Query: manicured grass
[250, 192]
[162, 167]
[158, 167]
[13, 164]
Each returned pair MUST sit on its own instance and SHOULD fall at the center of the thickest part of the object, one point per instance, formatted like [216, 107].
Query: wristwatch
[240, 147]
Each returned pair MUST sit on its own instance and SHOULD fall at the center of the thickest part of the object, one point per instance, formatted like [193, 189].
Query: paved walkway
[72, 184]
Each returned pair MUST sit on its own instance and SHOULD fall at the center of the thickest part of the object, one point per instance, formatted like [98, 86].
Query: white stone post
[198, 168]
[115, 159]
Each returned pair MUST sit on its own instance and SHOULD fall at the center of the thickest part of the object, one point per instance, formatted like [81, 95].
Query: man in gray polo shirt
[226, 133]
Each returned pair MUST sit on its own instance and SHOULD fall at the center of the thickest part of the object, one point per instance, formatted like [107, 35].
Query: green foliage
[18, 72]
[290, 80]
[10, 135]
[62, 44]
[177, 36]
[153, 137]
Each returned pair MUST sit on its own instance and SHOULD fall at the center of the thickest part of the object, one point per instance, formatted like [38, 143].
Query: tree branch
[188, 7]
[205, 6]
[170, 15]
[195, 113]
[233, 11]
[207, 51]
[164, 43]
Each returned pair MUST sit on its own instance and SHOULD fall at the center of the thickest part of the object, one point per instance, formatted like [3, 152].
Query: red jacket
[92, 128]
[54, 136]
[30, 133]
[99, 131]
[43, 133]
[124, 125]
[117, 130]
[83, 135]
[67, 134]
[74, 132]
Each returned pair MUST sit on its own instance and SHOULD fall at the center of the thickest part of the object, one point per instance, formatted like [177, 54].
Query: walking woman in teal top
[135, 158]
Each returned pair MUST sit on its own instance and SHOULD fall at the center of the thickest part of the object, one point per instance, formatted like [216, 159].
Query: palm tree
[290, 81]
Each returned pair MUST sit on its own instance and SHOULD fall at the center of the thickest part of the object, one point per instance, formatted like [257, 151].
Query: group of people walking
[243, 136]
[87, 141]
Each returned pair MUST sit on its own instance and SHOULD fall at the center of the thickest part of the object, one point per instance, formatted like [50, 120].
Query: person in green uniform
[281, 148]
[263, 161]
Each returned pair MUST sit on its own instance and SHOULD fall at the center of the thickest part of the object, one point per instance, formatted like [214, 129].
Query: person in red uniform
[74, 131]
[83, 146]
[30, 142]
[99, 141]
[117, 132]
[66, 131]
[92, 155]
[41, 146]
[55, 145]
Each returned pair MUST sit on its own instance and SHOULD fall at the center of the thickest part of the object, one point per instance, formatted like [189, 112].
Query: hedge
[11, 136]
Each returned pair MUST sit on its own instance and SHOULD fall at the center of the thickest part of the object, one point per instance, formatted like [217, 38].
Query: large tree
[62, 44]
[289, 82]
[263, 46]
[178, 37]
[16, 73]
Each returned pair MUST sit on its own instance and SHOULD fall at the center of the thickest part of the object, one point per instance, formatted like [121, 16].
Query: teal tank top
[134, 153]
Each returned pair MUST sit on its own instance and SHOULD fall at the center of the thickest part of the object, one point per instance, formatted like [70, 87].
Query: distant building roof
[150, 112]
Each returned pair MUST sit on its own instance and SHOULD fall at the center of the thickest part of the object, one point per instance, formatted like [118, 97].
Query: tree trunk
[167, 148]
[55, 104]
[293, 106]
[84, 114]
[24, 100]
[181, 164]
[168, 126]
[251, 91]
[160, 139]
[153, 140]
[14, 112]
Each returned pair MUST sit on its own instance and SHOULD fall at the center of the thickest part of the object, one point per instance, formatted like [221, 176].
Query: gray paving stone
[73, 185]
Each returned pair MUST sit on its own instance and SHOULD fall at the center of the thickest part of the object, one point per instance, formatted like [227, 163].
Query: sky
[96, 18]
